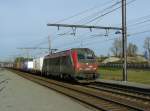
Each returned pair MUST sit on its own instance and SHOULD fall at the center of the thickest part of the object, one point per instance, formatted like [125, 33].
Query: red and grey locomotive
[77, 63]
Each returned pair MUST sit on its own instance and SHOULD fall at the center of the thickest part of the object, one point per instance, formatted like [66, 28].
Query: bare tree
[117, 48]
[147, 46]
[132, 49]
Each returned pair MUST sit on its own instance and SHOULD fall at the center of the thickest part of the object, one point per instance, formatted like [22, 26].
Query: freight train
[74, 64]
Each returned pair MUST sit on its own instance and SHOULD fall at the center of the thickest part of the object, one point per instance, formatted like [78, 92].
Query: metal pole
[27, 55]
[49, 42]
[124, 40]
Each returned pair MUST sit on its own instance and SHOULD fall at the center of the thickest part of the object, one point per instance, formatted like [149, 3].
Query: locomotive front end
[86, 65]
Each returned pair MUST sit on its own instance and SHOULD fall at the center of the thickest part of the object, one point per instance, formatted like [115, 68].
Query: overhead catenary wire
[107, 12]
[129, 35]
[138, 26]
[91, 16]
[84, 11]
[133, 0]
[85, 39]
[98, 12]
[138, 23]
[132, 21]
[139, 18]
[110, 39]
[100, 16]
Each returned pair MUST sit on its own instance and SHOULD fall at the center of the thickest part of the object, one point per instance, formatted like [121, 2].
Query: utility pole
[26, 52]
[49, 43]
[124, 40]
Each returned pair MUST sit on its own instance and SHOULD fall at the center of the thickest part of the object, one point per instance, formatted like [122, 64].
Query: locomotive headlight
[90, 66]
[94, 68]
[80, 69]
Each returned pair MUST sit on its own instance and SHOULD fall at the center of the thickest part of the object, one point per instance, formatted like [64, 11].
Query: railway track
[128, 89]
[130, 97]
[137, 96]
[91, 95]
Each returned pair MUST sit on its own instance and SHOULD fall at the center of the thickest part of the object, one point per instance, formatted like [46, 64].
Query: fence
[134, 66]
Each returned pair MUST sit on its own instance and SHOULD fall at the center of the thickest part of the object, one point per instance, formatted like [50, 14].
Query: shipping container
[38, 64]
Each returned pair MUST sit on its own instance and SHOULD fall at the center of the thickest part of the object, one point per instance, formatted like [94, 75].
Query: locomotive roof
[64, 53]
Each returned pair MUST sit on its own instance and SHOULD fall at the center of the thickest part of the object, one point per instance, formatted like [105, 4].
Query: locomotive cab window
[86, 56]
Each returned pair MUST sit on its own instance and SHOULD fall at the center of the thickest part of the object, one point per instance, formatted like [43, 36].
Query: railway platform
[20, 94]
[125, 84]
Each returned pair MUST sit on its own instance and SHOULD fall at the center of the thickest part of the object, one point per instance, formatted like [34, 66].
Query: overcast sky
[23, 24]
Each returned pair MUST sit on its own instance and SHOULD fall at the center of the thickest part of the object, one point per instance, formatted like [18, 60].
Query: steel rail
[133, 96]
[123, 88]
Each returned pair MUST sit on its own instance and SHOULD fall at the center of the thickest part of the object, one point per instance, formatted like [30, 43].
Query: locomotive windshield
[86, 55]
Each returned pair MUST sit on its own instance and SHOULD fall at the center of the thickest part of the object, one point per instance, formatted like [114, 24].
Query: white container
[38, 63]
[28, 65]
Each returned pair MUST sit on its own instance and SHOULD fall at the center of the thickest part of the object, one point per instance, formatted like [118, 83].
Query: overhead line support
[124, 40]
[84, 26]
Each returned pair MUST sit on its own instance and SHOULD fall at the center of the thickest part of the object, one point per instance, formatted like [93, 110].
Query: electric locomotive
[76, 63]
